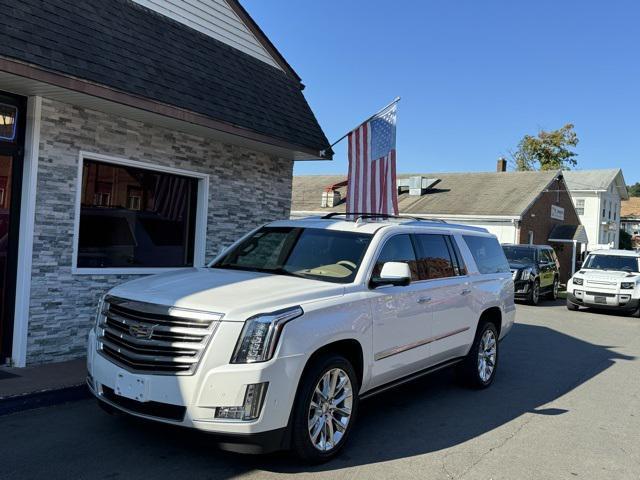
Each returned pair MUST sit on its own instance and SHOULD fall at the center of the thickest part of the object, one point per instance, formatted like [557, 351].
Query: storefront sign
[557, 212]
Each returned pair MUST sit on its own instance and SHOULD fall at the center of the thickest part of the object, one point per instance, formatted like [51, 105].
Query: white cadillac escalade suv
[608, 279]
[273, 345]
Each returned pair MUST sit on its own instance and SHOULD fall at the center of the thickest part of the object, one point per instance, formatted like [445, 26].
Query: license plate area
[600, 299]
[131, 386]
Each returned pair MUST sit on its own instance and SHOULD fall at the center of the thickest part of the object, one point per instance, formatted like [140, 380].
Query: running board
[409, 378]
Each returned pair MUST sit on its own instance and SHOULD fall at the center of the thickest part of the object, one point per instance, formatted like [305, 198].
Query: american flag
[372, 165]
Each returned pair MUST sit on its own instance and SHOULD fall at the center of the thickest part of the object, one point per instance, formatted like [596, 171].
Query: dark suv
[535, 271]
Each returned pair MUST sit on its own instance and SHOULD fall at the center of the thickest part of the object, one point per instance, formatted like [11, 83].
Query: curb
[45, 398]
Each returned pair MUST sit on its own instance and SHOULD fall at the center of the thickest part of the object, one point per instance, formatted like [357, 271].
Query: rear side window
[435, 258]
[487, 253]
[397, 249]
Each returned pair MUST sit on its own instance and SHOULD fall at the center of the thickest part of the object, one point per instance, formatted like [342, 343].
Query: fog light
[254, 397]
[625, 298]
[578, 293]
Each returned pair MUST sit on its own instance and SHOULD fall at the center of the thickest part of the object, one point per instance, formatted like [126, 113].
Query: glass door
[11, 151]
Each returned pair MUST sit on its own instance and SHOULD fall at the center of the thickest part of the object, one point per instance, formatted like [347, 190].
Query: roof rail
[356, 216]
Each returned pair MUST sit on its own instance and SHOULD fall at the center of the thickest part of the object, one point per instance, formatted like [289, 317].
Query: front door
[401, 317]
[12, 121]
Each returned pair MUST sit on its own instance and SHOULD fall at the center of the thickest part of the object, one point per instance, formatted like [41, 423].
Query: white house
[597, 195]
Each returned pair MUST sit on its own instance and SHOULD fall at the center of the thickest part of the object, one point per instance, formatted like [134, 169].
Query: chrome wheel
[535, 293]
[487, 355]
[330, 409]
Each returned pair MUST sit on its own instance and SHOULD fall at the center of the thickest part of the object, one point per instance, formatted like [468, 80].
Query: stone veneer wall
[246, 188]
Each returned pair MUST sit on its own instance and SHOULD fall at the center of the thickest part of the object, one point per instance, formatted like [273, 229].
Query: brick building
[135, 137]
[518, 207]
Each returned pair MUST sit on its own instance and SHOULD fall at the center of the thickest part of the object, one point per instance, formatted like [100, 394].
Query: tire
[553, 294]
[572, 306]
[307, 437]
[472, 372]
[534, 293]
[636, 314]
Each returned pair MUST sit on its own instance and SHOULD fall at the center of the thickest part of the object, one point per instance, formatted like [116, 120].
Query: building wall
[247, 188]
[213, 18]
[538, 220]
[600, 207]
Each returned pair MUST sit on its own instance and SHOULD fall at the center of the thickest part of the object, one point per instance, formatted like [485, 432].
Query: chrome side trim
[410, 346]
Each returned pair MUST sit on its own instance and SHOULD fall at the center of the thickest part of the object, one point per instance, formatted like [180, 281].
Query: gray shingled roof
[501, 194]
[127, 47]
[599, 179]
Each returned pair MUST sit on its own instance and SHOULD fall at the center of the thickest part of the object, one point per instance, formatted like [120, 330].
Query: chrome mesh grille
[143, 337]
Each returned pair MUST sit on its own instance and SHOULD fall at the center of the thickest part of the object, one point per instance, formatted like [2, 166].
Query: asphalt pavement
[565, 405]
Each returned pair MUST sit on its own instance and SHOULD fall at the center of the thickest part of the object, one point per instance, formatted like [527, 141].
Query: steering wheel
[350, 265]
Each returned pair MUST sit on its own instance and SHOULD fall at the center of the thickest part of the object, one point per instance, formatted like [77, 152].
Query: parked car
[535, 270]
[608, 279]
[273, 345]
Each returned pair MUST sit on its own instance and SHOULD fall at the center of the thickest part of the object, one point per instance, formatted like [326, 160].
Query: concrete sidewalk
[42, 385]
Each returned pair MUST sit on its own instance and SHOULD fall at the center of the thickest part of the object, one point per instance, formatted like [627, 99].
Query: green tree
[634, 190]
[549, 150]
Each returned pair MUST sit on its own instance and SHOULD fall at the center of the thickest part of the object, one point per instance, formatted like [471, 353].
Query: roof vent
[416, 185]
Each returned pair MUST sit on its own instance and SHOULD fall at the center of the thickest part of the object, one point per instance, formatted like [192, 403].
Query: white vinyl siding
[214, 18]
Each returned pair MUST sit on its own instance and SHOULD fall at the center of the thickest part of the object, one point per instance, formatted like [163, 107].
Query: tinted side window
[487, 253]
[458, 262]
[434, 259]
[397, 249]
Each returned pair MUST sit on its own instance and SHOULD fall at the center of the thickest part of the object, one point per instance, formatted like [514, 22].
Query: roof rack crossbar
[361, 216]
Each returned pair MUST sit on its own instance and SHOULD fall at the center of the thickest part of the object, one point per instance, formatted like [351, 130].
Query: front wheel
[553, 294]
[572, 306]
[479, 367]
[534, 293]
[325, 408]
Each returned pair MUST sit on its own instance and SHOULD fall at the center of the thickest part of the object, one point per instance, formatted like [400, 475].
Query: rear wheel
[534, 293]
[325, 408]
[479, 367]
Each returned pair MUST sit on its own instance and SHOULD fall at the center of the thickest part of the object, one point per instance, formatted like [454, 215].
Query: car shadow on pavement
[537, 366]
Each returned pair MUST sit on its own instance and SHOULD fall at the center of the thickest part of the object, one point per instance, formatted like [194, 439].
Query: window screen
[434, 259]
[487, 253]
[398, 249]
[134, 217]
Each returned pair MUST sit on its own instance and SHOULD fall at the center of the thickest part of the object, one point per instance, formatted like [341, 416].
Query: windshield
[329, 255]
[611, 262]
[523, 255]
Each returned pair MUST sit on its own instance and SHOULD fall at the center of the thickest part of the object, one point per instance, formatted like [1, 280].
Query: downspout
[516, 231]
[573, 257]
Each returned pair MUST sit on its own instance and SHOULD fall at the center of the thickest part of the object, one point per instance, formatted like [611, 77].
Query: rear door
[449, 290]
[547, 268]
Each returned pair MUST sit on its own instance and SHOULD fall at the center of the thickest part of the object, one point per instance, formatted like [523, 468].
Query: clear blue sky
[474, 76]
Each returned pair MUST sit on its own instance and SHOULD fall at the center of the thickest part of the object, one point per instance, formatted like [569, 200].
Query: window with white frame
[580, 206]
[133, 216]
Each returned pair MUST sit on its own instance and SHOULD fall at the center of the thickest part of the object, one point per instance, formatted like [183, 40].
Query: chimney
[502, 165]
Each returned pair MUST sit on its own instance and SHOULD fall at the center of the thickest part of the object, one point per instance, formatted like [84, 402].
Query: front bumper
[521, 289]
[191, 400]
[617, 302]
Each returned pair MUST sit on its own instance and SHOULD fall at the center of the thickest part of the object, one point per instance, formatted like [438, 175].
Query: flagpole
[396, 100]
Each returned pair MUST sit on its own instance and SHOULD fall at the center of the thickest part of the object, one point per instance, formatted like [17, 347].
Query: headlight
[526, 274]
[100, 310]
[260, 334]
[628, 285]
[577, 281]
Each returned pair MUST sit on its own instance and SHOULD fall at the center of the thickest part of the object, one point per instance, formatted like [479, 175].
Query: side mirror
[393, 273]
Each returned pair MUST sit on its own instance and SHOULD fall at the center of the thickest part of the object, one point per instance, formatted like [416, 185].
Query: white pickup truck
[275, 342]
[608, 279]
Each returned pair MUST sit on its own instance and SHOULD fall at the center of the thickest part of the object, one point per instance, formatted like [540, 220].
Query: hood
[515, 265]
[607, 275]
[236, 294]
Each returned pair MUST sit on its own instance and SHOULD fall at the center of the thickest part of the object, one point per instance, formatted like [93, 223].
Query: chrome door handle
[466, 291]
[424, 300]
